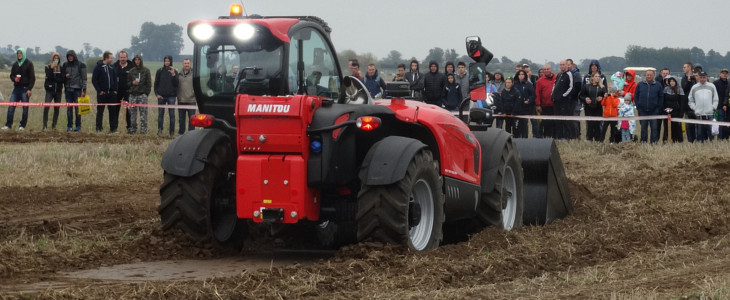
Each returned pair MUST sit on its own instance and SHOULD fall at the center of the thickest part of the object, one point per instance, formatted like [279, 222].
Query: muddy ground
[649, 222]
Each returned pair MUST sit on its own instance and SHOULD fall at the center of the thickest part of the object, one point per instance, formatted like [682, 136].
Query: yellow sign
[267, 201]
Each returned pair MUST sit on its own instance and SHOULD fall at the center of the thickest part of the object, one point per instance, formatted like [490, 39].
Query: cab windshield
[227, 69]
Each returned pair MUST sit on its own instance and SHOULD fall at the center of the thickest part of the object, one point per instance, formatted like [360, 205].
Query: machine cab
[264, 56]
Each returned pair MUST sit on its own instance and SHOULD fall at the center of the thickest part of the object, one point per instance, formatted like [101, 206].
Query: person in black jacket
[433, 83]
[689, 79]
[54, 89]
[673, 98]
[105, 82]
[23, 76]
[415, 78]
[166, 90]
[527, 105]
[561, 96]
[723, 89]
[452, 93]
[591, 95]
[508, 103]
[121, 68]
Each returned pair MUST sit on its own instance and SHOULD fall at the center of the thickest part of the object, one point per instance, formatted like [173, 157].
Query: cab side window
[321, 77]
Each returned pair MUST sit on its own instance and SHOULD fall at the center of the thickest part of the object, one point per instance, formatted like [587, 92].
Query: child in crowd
[618, 80]
[610, 110]
[627, 127]
[452, 93]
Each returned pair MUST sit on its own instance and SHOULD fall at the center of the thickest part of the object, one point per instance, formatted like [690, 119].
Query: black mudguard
[387, 160]
[547, 197]
[492, 140]
[186, 154]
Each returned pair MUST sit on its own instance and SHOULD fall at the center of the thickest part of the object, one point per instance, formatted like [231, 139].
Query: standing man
[22, 75]
[703, 100]
[105, 80]
[462, 79]
[373, 82]
[140, 84]
[434, 84]
[544, 103]
[75, 73]
[121, 68]
[185, 96]
[415, 78]
[401, 75]
[561, 97]
[721, 85]
[688, 81]
[166, 91]
[649, 99]
[663, 76]
[354, 66]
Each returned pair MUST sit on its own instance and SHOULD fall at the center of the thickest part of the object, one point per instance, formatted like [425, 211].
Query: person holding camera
[166, 84]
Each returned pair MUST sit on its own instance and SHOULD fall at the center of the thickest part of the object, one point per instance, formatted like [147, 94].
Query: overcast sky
[534, 29]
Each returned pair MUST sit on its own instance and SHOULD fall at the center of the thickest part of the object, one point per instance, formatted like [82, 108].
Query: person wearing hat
[703, 100]
[721, 85]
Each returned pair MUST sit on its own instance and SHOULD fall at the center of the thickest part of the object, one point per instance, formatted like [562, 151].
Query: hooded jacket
[508, 101]
[434, 84]
[618, 82]
[24, 68]
[374, 84]
[452, 94]
[77, 70]
[527, 92]
[703, 99]
[416, 82]
[104, 78]
[674, 100]
[54, 77]
[587, 77]
[166, 83]
[142, 74]
[630, 85]
[649, 97]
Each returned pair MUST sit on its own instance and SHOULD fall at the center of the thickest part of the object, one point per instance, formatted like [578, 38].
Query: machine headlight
[203, 32]
[243, 31]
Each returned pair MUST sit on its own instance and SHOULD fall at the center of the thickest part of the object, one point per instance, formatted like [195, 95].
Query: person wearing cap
[649, 99]
[721, 85]
[703, 100]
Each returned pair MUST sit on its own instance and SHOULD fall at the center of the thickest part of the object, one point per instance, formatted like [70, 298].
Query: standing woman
[54, 88]
[509, 100]
[591, 96]
[498, 81]
[527, 105]
[673, 98]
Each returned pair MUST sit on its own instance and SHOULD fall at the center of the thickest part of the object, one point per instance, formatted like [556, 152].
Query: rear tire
[204, 205]
[504, 205]
[409, 212]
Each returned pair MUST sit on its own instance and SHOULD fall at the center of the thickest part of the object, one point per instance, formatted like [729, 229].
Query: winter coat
[54, 78]
[25, 69]
[564, 86]
[649, 97]
[374, 84]
[166, 83]
[416, 83]
[618, 82]
[722, 91]
[703, 99]
[543, 91]
[104, 78]
[77, 70]
[630, 85]
[626, 111]
[592, 92]
[122, 74]
[587, 77]
[674, 101]
[185, 92]
[527, 92]
[463, 82]
[687, 84]
[508, 101]
[143, 75]
[610, 106]
[433, 84]
[452, 96]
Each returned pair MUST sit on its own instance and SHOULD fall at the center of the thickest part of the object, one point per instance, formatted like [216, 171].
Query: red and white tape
[124, 103]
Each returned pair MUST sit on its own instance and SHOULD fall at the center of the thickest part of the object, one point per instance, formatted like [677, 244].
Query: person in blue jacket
[649, 100]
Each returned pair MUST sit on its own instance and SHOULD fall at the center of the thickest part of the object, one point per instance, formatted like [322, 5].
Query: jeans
[704, 132]
[564, 129]
[185, 120]
[625, 135]
[55, 97]
[20, 94]
[645, 124]
[161, 114]
[722, 117]
[72, 96]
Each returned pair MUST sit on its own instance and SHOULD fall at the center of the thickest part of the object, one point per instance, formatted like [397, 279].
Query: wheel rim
[509, 209]
[420, 235]
[223, 217]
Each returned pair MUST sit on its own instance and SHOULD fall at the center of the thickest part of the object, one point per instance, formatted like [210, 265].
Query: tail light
[367, 123]
[201, 120]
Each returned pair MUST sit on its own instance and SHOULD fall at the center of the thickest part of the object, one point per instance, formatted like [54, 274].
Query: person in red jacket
[543, 103]
[629, 83]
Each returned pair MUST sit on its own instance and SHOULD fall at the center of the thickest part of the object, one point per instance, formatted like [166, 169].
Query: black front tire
[409, 212]
[204, 205]
[504, 205]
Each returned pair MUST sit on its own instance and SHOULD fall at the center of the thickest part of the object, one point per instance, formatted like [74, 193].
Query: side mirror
[355, 91]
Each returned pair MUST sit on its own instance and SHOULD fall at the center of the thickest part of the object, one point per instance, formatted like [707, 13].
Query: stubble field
[649, 222]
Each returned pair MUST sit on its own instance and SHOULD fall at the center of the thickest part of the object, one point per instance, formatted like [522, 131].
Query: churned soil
[649, 222]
